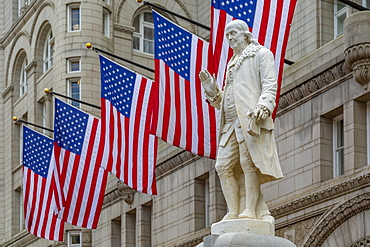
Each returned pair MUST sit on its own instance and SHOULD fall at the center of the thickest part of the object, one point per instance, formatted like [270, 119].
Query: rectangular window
[338, 146]
[74, 239]
[19, 207]
[130, 228]
[74, 91]
[73, 65]
[106, 22]
[74, 18]
[201, 202]
[340, 14]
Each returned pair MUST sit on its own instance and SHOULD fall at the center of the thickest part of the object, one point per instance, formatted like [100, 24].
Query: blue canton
[37, 151]
[172, 45]
[239, 9]
[117, 85]
[69, 127]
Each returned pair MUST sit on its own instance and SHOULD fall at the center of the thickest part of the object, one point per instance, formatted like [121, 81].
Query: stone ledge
[243, 225]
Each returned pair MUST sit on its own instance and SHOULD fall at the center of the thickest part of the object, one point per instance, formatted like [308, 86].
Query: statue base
[243, 225]
[244, 232]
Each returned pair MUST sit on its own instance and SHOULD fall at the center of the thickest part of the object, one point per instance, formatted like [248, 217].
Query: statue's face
[235, 37]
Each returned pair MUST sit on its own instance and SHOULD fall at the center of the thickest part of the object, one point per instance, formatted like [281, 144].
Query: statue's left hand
[261, 113]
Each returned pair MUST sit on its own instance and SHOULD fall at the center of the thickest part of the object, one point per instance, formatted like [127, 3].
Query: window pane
[75, 66]
[148, 17]
[75, 92]
[340, 24]
[148, 33]
[75, 239]
[149, 46]
[136, 43]
[340, 131]
[75, 18]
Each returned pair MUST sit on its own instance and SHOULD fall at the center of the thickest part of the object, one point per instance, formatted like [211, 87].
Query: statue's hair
[243, 27]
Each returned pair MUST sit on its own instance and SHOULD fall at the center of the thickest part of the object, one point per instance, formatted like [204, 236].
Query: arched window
[23, 84]
[143, 39]
[48, 51]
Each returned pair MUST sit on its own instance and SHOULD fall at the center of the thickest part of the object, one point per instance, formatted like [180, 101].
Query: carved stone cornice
[7, 90]
[335, 217]
[310, 88]
[123, 28]
[192, 242]
[174, 162]
[365, 242]
[321, 196]
[126, 192]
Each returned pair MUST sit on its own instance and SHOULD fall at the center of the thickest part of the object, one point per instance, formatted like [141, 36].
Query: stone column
[357, 46]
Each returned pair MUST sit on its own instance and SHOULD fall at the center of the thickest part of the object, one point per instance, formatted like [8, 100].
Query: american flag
[127, 145]
[184, 119]
[39, 194]
[82, 181]
[268, 20]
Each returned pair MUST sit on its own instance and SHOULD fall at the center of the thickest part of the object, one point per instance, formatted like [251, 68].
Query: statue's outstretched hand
[208, 82]
[261, 113]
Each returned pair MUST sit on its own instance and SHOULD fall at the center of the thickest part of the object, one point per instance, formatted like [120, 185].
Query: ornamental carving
[365, 242]
[173, 162]
[357, 57]
[303, 92]
[335, 217]
[123, 28]
[192, 242]
[126, 192]
[320, 196]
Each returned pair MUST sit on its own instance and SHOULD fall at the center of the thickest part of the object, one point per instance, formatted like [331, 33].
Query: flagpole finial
[139, 1]
[88, 45]
[47, 90]
[15, 119]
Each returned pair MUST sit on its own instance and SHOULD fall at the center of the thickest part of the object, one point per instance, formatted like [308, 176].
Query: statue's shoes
[249, 214]
[230, 216]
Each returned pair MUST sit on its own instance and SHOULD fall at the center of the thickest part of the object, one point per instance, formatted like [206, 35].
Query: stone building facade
[322, 126]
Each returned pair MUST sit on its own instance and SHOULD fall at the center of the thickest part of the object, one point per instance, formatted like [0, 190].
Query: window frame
[69, 64]
[338, 14]
[47, 55]
[366, 3]
[70, 19]
[71, 234]
[23, 80]
[70, 93]
[338, 168]
[106, 22]
[140, 35]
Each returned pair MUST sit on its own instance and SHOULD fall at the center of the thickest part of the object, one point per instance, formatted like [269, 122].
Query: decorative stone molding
[111, 197]
[358, 58]
[321, 196]
[7, 90]
[123, 28]
[335, 217]
[357, 46]
[173, 162]
[126, 192]
[365, 242]
[192, 242]
[305, 91]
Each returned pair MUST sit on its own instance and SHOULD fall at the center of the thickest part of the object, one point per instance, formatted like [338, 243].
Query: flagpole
[48, 91]
[175, 14]
[97, 50]
[16, 120]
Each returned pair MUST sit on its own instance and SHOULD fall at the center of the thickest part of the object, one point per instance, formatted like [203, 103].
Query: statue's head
[237, 34]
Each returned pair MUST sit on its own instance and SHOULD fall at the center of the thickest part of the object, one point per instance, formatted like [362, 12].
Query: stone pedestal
[244, 232]
[243, 225]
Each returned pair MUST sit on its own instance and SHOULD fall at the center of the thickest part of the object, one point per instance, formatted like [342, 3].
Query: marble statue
[247, 155]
